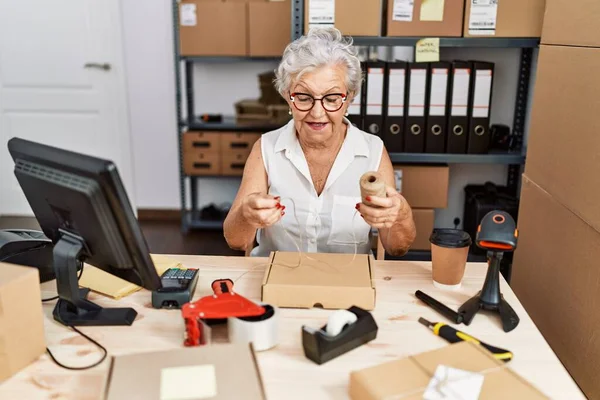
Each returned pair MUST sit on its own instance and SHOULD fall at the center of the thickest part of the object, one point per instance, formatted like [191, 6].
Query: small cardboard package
[218, 371]
[409, 378]
[21, 319]
[332, 281]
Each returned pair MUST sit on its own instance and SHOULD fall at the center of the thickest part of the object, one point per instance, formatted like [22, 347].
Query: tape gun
[345, 330]
[246, 320]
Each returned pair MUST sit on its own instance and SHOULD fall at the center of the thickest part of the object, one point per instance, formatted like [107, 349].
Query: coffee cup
[449, 253]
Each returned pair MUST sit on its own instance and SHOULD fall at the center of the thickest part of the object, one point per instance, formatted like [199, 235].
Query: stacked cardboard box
[555, 271]
[216, 153]
[425, 188]
[234, 27]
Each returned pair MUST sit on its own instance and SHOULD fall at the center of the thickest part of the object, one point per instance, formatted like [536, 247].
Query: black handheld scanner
[497, 232]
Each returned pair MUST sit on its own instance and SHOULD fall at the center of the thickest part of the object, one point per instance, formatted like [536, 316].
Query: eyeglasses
[305, 102]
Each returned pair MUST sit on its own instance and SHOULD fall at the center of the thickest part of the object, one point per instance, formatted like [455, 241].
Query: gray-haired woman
[303, 178]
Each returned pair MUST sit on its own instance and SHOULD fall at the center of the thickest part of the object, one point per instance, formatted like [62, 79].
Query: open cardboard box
[408, 378]
[218, 371]
[332, 281]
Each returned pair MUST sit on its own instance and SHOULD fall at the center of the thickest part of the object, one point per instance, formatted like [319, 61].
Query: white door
[62, 83]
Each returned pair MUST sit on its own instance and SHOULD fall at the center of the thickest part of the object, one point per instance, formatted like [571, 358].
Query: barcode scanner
[497, 233]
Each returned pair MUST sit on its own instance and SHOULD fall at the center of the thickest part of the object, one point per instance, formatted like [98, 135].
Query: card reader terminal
[178, 286]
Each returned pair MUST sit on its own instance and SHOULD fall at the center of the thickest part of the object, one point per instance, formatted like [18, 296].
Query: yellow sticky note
[432, 10]
[192, 382]
[109, 285]
[428, 50]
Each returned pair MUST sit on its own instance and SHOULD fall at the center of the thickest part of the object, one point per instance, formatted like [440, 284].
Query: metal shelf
[223, 59]
[449, 42]
[229, 124]
[445, 158]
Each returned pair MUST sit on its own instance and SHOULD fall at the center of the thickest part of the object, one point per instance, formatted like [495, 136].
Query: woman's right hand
[262, 210]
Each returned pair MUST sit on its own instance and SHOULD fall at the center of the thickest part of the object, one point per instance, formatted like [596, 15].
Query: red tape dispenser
[223, 304]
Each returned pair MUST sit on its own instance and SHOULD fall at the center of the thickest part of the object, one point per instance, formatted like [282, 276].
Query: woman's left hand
[383, 212]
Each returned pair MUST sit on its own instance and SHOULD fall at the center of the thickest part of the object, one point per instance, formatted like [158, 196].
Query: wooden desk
[286, 373]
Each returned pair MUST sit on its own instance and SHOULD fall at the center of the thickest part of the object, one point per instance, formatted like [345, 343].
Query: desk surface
[286, 373]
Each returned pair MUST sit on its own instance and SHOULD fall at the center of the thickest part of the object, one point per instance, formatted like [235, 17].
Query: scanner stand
[72, 308]
[490, 298]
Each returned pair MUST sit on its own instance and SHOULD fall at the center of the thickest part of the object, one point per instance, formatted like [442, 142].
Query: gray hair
[320, 47]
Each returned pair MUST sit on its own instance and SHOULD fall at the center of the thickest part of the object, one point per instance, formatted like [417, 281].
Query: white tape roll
[261, 331]
[338, 320]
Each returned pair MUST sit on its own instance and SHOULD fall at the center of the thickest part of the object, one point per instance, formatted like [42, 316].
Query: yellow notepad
[109, 285]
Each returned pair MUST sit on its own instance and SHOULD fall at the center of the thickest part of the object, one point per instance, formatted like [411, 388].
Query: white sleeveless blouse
[325, 222]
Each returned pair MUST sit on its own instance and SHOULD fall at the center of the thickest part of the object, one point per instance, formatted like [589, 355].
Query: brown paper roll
[372, 184]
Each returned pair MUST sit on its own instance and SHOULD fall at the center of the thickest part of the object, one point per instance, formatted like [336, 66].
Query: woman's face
[318, 125]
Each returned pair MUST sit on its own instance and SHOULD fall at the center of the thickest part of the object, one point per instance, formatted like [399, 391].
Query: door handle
[105, 66]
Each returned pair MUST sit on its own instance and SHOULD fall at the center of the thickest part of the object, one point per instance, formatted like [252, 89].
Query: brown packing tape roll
[372, 184]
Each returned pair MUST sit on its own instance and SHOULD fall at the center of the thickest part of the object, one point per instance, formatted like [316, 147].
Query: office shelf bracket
[520, 115]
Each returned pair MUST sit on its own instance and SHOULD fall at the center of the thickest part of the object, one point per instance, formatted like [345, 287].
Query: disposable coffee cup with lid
[449, 253]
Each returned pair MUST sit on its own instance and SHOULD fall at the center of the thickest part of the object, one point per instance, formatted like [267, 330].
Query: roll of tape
[372, 184]
[338, 320]
[262, 331]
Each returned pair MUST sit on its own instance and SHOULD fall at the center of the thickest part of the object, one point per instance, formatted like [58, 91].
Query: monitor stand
[73, 309]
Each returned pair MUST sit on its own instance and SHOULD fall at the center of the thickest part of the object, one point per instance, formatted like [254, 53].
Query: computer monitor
[82, 206]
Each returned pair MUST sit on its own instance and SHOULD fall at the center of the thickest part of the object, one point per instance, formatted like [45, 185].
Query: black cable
[80, 368]
[78, 277]
[82, 334]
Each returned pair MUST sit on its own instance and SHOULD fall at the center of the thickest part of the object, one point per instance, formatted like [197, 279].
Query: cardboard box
[238, 141]
[22, 338]
[572, 23]
[351, 17]
[270, 26]
[424, 221]
[201, 141]
[513, 18]
[424, 20]
[408, 378]
[197, 163]
[563, 149]
[555, 274]
[213, 28]
[332, 281]
[233, 163]
[423, 186]
[217, 371]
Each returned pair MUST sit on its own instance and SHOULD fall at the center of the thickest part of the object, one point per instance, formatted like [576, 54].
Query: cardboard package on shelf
[351, 17]
[213, 28]
[505, 18]
[425, 18]
[269, 26]
[423, 186]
